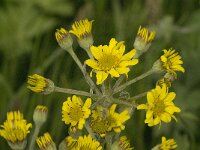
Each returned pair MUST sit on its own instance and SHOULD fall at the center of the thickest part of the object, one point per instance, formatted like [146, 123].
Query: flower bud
[45, 142]
[63, 38]
[39, 84]
[143, 40]
[40, 114]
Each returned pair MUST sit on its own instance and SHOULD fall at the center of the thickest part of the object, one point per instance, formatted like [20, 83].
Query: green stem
[139, 96]
[71, 91]
[35, 134]
[108, 139]
[123, 86]
[87, 77]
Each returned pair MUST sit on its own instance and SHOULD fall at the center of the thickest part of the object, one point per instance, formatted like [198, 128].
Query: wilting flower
[15, 129]
[82, 28]
[45, 142]
[159, 106]
[63, 38]
[74, 112]
[116, 120]
[144, 39]
[110, 60]
[169, 144]
[85, 143]
[171, 61]
[39, 84]
[40, 114]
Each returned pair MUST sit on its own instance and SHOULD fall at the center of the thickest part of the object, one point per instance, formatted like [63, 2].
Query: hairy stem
[71, 91]
[123, 86]
[87, 77]
[139, 96]
[35, 134]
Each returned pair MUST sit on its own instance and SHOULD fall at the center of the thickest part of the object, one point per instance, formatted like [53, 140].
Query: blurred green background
[28, 45]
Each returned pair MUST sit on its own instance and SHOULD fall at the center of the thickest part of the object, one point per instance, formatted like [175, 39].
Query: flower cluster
[96, 123]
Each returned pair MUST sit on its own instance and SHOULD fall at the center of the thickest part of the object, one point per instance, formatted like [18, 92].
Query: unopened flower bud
[45, 142]
[63, 38]
[122, 144]
[143, 40]
[82, 30]
[39, 84]
[40, 114]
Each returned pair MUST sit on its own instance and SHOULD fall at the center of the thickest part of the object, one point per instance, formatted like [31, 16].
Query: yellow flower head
[146, 35]
[15, 128]
[82, 28]
[86, 143]
[39, 84]
[169, 144]
[40, 114]
[124, 144]
[116, 120]
[63, 38]
[159, 106]
[74, 112]
[171, 61]
[110, 60]
[45, 142]
[99, 124]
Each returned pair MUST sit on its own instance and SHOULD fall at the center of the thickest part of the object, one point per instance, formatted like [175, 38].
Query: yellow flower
[110, 60]
[45, 142]
[74, 112]
[124, 144]
[82, 28]
[146, 35]
[39, 84]
[15, 128]
[159, 106]
[116, 120]
[169, 144]
[99, 124]
[86, 143]
[171, 61]
[63, 38]
[144, 39]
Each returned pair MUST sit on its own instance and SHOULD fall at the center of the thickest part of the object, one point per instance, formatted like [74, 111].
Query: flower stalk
[123, 86]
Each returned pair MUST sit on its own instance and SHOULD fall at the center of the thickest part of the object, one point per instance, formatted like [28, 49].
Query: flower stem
[108, 139]
[87, 77]
[139, 96]
[123, 86]
[71, 91]
[35, 134]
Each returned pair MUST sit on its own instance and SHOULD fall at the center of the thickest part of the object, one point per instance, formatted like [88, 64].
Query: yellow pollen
[159, 107]
[76, 113]
[108, 61]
